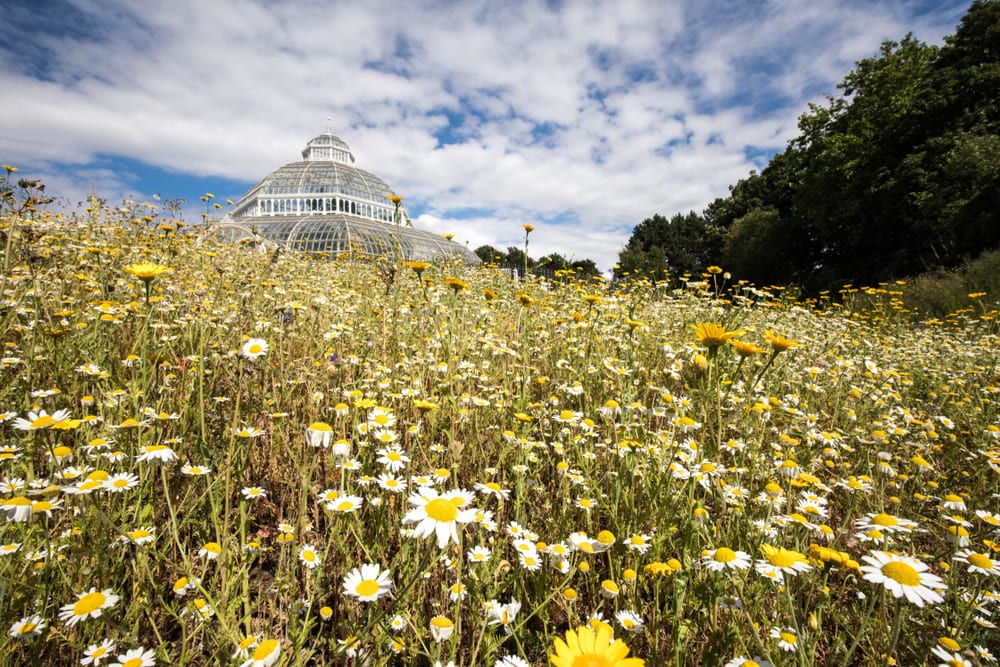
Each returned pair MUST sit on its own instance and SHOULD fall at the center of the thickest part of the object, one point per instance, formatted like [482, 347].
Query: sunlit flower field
[237, 455]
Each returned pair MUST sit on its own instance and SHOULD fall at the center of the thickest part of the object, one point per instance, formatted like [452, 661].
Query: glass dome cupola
[328, 147]
[324, 204]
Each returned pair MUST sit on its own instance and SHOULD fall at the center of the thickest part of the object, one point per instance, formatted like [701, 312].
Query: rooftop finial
[328, 125]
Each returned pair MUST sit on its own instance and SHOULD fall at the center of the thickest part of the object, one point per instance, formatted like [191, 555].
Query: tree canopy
[897, 174]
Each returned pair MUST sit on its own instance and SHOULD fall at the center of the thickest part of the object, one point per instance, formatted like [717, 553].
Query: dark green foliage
[514, 257]
[940, 293]
[490, 255]
[661, 248]
[897, 175]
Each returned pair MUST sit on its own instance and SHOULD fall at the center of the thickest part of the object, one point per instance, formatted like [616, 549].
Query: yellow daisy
[583, 646]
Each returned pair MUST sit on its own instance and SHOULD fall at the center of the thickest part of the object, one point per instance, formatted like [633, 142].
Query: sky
[580, 117]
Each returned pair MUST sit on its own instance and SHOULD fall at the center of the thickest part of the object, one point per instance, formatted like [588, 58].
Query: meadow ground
[219, 455]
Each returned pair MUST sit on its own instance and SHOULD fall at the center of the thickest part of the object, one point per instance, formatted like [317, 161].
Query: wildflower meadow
[236, 454]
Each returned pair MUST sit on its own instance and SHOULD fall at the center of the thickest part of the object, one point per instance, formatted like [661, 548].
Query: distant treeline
[897, 175]
[514, 258]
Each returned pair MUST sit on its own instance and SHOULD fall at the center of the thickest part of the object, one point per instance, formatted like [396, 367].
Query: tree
[658, 248]
[897, 174]
[490, 255]
[553, 262]
[585, 267]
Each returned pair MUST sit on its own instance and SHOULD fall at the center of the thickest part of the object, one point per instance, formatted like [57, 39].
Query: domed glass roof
[323, 203]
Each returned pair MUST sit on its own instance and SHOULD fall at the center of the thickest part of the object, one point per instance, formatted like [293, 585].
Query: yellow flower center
[367, 587]
[442, 622]
[725, 555]
[884, 519]
[89, 603]
[788, 637]
[442, 509]
[902, 573]
[980, 561]
[783, 558]
[255, 348]
[591, 660]
[28, 628]
[133, 662]
[265, 649]
[43, 422]
[949, 643]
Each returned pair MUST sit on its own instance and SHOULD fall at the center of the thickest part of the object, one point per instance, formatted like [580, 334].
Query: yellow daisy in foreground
[713, 336]
[780, 343]
[583, 646]
[146, 272]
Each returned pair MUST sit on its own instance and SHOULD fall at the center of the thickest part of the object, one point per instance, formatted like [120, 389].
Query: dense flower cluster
[353, 460]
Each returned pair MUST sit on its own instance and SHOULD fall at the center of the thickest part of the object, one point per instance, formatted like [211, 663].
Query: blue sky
[580, 117]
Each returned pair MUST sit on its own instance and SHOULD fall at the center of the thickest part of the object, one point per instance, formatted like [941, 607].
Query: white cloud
[594, 111]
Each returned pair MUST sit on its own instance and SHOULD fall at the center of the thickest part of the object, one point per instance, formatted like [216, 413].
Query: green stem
[860, 632]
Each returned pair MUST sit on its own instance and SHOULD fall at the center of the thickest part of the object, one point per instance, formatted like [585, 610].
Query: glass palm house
[324, 204]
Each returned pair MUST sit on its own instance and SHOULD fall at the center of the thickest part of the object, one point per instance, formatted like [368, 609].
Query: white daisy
[265, 654]
[28, 627]
[95, 653]
[979, 563]
[40, 420]
[725, 558]
[88, 605]
[254, 348]
[137, 657]
[440, 514]
[903, 575]
[630, 620]
[367, 583]
[309, 556]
